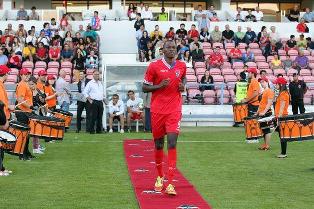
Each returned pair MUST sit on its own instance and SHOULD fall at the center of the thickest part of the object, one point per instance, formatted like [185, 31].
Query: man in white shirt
[199, 13]
[258, 14]
[135, 109]
[94, 93]
[116, 111]
[242, 13]
[147, 14]
[63, 91]
[275, 37]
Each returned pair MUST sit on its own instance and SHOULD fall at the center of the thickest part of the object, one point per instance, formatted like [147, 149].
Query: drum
[7, 141]
[66, 116]
[296, 127]
[267, 122]
[49, 128]
[20, 131]
[252, 128]
[240, 111]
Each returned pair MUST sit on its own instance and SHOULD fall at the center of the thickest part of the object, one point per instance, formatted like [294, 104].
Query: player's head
[170, 49]
[131, 94]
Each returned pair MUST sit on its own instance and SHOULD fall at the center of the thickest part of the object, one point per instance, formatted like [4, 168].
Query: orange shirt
[40, 86]
[23, 90]
[253, 86]
[282, 97]
[267, 95]
[4, 99]
[50, 91]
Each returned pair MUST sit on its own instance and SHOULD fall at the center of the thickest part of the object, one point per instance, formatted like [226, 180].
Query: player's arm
[150, 88]
[182, 84]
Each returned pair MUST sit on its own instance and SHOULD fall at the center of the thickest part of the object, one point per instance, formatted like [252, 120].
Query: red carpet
[140, 159]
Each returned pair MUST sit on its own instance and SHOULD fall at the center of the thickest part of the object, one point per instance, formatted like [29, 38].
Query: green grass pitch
[89, 172]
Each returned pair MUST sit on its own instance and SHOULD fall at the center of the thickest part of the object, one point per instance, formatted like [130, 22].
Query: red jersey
[168, 99]
[193, 33]
[235, 53]
[214, 59]
[301, 28]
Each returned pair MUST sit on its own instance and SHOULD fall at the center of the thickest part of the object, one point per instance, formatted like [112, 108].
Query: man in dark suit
[81, 102]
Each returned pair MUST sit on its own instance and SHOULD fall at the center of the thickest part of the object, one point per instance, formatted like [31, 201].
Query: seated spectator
[147, 13]
[140, 8]
[139, 21]
[192, 44]
[247, 56]
[134, 108]
[170, 34]
[182, 48]
[21, 14]
[302, 27]
[10, 30]
[228, 35]
[143, 41]
[235, 54]
[264, 28]
[92, 61]
[239, 12]
[91, 33]
[3, 58]
[67, 37]
[42, 38]
[239, 36]
[215, 60]
[41, 53]
[181, 33]
[203, 22]
[22, 30]
[6, 37]
[15, 61]
[264, 41]
[54, 53]
[275, 37]
[276, 63]
[294, 14]
[310, 44]
[258, 14]
[187, 59]
[31, 37]
[302, 43]
[95, 21]
[29, 52]
[193, 32]
[33, 15]
[308, 15]
[250, 36]
[116, 112]
[216, 35]
[207, 82]
[211, 11]
[214, 18]
[287, 63]
[47, 30]
[150, 55]
[301, 61]
[54, 26]
[17, 46]
[204, 35]
[197, 53]
[67, 53]
[163, 16]
[250, 17]
[64, 22]
[131, 12]
[291, 43]
[238, 18]
[154, 33]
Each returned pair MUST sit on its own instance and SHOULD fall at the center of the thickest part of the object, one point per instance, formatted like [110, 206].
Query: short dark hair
[182, 24]
[292, 36]
[131, 91]
[96, 12]
[32, 79]
[262, 71]
[115, 95]
[279, 75]
[194, 25]
[33, 7]
[139, 14]
[243, 75]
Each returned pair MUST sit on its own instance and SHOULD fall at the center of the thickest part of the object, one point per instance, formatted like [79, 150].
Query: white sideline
[104, 141]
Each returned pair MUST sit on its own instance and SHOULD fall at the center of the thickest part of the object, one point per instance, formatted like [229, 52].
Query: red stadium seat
[238, 71]
[53, 64]
[231, 85]
[305, 72]
[262, 65]
[218, 78]
[199, 65]
[238, 65]
[291, 71]
[28, 65]
[207, 45]
[242, 45]
[279, 71]
[66, 64]
[200, 71]
[229, 45]
[209, 93]
[256, 52]
[308, 79]
[226, 65]
[199, 77]
[226, 96]
[36, 70]
[189, 78]
[14, 71]
[306, 53]
[12, 78]
[192, 85]
[251, 64]
[218, 45]
[215, 71]
[307, 100]
[227, 71]
[270, 58]
[53, 71]
[230, 78]
[260, 59]
[189, 71]
[207, 51]
[311, 59]
[282, 52]
[209, 100]
[40, 64]
[293, 52]
[253, 46]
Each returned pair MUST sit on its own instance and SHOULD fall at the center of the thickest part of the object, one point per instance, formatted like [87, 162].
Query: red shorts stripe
[165, 123]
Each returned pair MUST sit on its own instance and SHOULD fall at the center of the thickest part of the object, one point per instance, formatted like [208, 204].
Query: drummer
[42, 76]
[281, 108]
[51, 95]
[264, 109]
[252, 92]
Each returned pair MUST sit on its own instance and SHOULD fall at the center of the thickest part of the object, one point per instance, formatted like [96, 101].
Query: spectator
[64, 22]
[21, 14]
[228, 35]
[301, 61]
[287, 63]
[33, 15]
[67, 53]
[143, 41]
[214, 18]
[68, 37]
[207, 82]
[250, 17]
[10, 30]
[15, 61]
[294, 14]
[63, 91]
[162, 16]
[47, 30]
[181, 33]
[197, 53]
[17, 47]
[81, 30]
[264, 41]
[199, 13]
[211, 12]
[247, 55]
[308, 15]
[310, 44]
[193, 32]
[79, 59]
[235, 54]
[156, 37]
[154, 32]
[6, 37]
[239, 12]
[131, 12]
[187, 58]
[170, 34]
[276, 63]
[134, 108]
[264, 29]
[21, 38]
[31, 37]
[275, 37]
[140, 8]
[203, 22]
[182, 47]
[92, 61]
[42, 38]
[216, 35]
[139, 22]
[91, 33]
[204, 35]
[250, 36]
[29, 52]
[95, 21]
[239, 36]
[263, 75]
[54, 53]
[195, 40]
[238, 18]
[41, 53]
[258, 14]
[53, 26]
[297, 89]
[3, 58]
[216, 60]
[150, 55]
[302, 27]
[302, 43]
[147, 13]
[291, 43]
[116, 112]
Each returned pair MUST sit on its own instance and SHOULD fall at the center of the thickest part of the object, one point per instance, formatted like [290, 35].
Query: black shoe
[235, 125]
[31, 156]
[92, 132]
[77, 131]
[99, 132]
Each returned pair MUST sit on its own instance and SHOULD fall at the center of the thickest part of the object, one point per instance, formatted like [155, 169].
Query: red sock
[172, 162]
[159, 154]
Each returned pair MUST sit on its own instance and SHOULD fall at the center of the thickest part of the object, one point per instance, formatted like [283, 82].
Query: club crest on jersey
[187, 207]
[177, 73]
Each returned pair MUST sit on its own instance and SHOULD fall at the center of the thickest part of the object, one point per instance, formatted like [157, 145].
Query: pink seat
[305, 72]
[226, 65]
[200, 71]
[293, 52]
[28, 64]
[253, 46]
[214, 71]
[256, 52]
[279, 71]
[66, 64]
[190, 85]
[207, 51]
[262, 65]
[226, 96]
[199, 65]
[210, 100]
[222, 52]
[189, 78]
[306, 53]
[282, 52]
[242, 45]
[311, 59]
[189, 71]
[192, 93]
[40, 64]
[209, 93]
[260, 59]
[231, 85]
[36, 70]
[251, 64]
[283, 58]
[238, 71]
[206, 45]
[269, 71]
[312, 52]
[230, 78]
[227, 71]
[218, 45]
[14, 71]
[238, 65]
[225, 57]
[199, 77]
[231, 92]
[270, 58]
[12, 78]
[308, 94]
[308, 79]
[291, 71]
[218, 78]
[68, 71]
[53, 71]
[53, 64]
[229, 45]
[307, 100]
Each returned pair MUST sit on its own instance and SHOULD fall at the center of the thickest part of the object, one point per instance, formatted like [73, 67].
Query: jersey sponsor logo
[150, 192]
[177, 73]
[136, 156]
[186, 206]
[141, 170]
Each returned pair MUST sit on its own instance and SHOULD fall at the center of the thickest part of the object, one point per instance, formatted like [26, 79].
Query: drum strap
[306, 122]
[52, 126]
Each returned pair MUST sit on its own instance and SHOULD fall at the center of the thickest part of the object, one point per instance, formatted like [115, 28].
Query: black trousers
[1, 160]
[95, 113]
[23, 118]
[80, 108]
[297, 105]
[252, 109]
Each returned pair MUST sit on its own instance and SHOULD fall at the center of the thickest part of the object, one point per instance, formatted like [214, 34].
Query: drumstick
[20, 103]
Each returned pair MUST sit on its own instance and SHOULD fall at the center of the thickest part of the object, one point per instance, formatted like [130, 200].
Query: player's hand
[164, 83]
[181, 87]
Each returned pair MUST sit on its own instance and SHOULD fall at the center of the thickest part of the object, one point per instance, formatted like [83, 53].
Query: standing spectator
[81, 30]
[301, 43]
[197, 54]
[94, 93]
[258, 14]
[199, 13]
[33, 15]
[21, 14]
[92, 61]
[297, 89]
[63, 91]
[263, 75]
[147, 13]
[203, 22]
[3, 58]
[238, 18]
[53, 26]
[147, 100]
[181, 33]
[64, 22]
[291, 43]
[301, 61]
[239, 12]
[216, 60]
[204, 35]
[211, 12]
[250, 36]
[207, 82]
[228, 35]
[135, 109]
[216, 35]
[235, 54]
[192, 33]
[81, 103]
[250, 17]
[95, 21]
[54, 53]
[10, 30]
[162, 16]
[239, 36]
[116, 111]
[67, 53]
[294, 14]
[139, 21]
[140, 8]
[310, 44]
[302, 27]
[308, 15]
